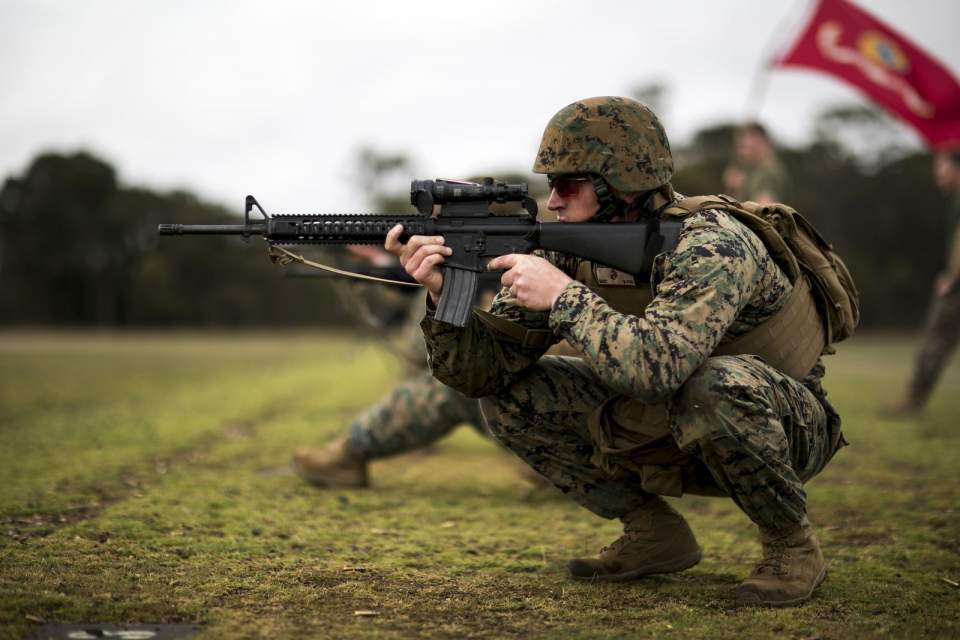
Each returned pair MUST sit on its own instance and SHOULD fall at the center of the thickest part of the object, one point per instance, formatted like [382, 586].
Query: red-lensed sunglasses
[567, 186]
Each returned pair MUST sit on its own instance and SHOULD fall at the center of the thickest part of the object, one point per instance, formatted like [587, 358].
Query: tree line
[80, 249]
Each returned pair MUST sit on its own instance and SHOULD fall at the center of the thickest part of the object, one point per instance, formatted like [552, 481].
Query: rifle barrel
[211, 229]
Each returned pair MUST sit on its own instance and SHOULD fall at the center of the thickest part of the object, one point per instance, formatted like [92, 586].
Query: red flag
[845, 41]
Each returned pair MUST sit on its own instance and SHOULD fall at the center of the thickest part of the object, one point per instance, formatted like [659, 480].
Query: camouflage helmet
[619, 139]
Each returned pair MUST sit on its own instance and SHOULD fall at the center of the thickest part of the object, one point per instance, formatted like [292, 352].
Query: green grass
[142, 479]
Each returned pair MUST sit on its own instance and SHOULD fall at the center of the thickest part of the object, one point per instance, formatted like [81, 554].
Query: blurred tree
[77, 249]
[60, 230]
[654, 94]
[384, 178]
[867, 134]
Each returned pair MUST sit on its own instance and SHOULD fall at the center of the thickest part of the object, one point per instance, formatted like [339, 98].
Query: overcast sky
[273, 98]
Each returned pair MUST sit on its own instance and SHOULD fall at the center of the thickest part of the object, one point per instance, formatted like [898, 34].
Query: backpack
[797, 248]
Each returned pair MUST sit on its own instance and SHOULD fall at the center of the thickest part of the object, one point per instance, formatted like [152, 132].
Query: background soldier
[648, 411]
[412, 416]
[755, 173]
[943, 320]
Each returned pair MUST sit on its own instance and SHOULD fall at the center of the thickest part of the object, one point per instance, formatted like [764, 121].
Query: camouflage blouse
[717, 284]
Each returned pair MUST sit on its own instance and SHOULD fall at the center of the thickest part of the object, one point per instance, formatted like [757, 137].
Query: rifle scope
[444, 191]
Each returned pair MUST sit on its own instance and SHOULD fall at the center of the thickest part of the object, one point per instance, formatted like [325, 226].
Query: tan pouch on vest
[790, 340]
[630, 437]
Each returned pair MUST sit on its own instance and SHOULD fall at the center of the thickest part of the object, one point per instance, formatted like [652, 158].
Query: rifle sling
[515, 332]
[281, 256]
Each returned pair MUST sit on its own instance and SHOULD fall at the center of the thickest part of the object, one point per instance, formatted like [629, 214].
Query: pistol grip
[456, 296]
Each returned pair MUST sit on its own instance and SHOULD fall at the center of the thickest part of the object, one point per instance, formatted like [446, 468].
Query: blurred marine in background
[411, 416]
[755, 173]
[414, 414]
[942, 330]
[652, 409]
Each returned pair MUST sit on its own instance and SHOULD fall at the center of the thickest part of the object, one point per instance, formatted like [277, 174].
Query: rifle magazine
[456, 297]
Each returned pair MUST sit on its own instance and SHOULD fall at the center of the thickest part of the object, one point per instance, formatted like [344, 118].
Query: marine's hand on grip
[421, 257]
[533, 281]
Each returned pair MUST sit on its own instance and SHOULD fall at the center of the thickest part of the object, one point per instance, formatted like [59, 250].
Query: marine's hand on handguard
[944, 284]
[533, 281]
[420, 257]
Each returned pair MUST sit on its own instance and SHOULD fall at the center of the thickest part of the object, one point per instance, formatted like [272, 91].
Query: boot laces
[637, 529]
[774, 554]
[618, 544]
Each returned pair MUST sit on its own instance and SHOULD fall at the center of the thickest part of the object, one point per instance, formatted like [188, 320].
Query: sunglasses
[567, 186]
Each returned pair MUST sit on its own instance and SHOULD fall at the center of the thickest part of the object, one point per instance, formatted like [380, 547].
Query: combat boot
[791, 568]
[656, 539]
[333, 466]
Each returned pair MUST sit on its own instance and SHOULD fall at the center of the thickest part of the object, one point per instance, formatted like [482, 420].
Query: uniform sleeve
[477, 360]
[706, 281]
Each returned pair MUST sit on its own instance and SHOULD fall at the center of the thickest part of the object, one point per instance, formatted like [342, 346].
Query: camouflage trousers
[940, 337]
[737, 427]
[415, 414]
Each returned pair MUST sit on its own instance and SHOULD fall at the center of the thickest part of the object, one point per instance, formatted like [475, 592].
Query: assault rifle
[469, 228]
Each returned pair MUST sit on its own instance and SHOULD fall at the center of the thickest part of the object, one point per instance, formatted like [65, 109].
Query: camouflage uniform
[942, 330]
[652, 408]
[648, 410]
[418, 411]
[769, 178]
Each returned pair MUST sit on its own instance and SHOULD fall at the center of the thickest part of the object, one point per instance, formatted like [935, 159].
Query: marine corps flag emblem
[843, 40]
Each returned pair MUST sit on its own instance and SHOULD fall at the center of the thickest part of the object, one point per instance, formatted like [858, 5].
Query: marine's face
[750, 147]
[572, 198]
[946, 173]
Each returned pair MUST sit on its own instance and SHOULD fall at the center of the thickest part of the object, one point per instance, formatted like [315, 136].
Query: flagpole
[758, 91]
[775, 46]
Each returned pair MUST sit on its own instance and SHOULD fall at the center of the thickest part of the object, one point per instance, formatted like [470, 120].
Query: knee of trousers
[495, 412]
[716, 401]
[509, 411]
[507, 419]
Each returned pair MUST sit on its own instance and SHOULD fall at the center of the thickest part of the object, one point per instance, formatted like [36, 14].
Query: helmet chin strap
[657, 199]
[646, 205]
[610, 205]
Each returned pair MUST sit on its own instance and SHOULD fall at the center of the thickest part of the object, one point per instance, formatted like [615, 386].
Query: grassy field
[143, 479]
